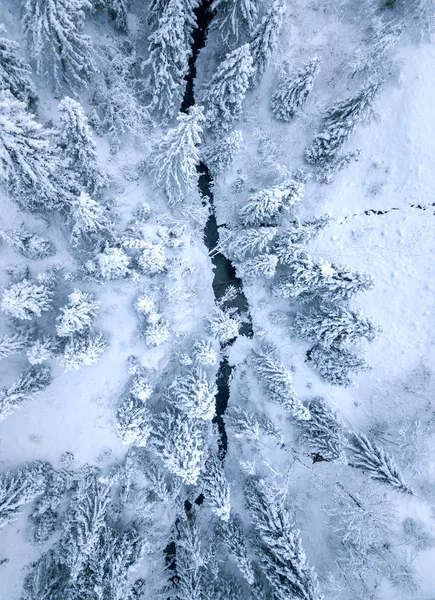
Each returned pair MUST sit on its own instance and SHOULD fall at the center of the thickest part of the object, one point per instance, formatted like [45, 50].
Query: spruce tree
[78, 315]
[82, 350]
[336, 364]
[265, 38]
[118, 11]
[134, 421]
[292, 239]
[18, 488]
[263, 265]
[194, 395]
[26, 299]
[112, 264]
[42, 349]
[204, 353]
[190, 582]
[152, 259]
[225, 92]
[339, 123]
[292, 93]
[324, 434]
[264, 207]
[30, 245]
[220, 155]
[88, 220]
[31, 381]
[15, 73]
[279, 383]
[177, 156]
[15, 342]
[241, 242]
[76, 140]
[222, 326]
[232, 536]
[334, 326]
[282, 558]
[57, 45]
[234, 18]
[215, 487]
[373, 460]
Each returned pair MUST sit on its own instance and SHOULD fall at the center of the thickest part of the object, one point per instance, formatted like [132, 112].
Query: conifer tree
[83, 350]
[31, 381]
[169, 53]
[334, 326]
[372, 459]
[263, 265]
[29, 245]
[78, 145]
[152, 259]
[233, 538]
[239, 243]
[292, 93]
[282, 558]
[220, 155]
[78, 315]
[29, 167]
[18, 488]
[194, 395]
[118, 11]
[134, 424]
[47, 576]
[179, 442]
[215, 487]
[339, 123]
[15, 73]
[41, 350]
[190, 564]
[57, 45]
[336, 364]
[204, 353]
[265, 38]
[278, 381]
[88, 220]
[177, 156]
[15, 342]
[26, 299]
[222, 326]
[224, 94]
[293, 238]
[234, 18]
[249, 425]
[324, 434]
[113, 263]
[263, 207]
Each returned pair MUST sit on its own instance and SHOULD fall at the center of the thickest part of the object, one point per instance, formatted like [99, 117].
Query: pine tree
[152, 259]
[336, 365]
[264, 207]
[31, 381]
[88, 219]
[29, 245]
[278, 381]
[190, 564]
[156, 332]
[295, 236]
[233, 538]
[78, 315]
[134, 421]
[215, 487]
[57, 44]
[224, 94]
[234, 18]
[41, 350]
[242, 424]
[334, 326]
[265, 38]
[239, 243]
[324, 434]
[222, 326]
[169, 53]
[46, 579]
[179, 442]
[339, 123]
[15, 342]
[327, 172]
[194, 395]
[113, 264]
[204, 354]
[263, 265]
[220, 155]
[15, 73]
[83, 350]
[281, 555]
[29, 168]
[26, 299]
[372, 459]
[18, 488]
[177, 156]
[76, 139]
[292, 93]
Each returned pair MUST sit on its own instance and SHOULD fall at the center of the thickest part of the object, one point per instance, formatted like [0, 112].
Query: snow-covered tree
[18, 488]
[31, 381]
[374, 57]
[28, 244]
[88, 219]
[113, 263]
[46, 574]
[78, 315]
[29, 167]
[134, 421]
[15, 343]
[336, 365]
[177, 156]
[215, 487]
[194, 395]
[263, 265]
[75, 138]
[328, 171]
[232, 536]
[83, 350]
[15, 73]
[419, 14]
[41, 350]
[249, 425]
[282, 558]
[191, 561]
[152, 259]
[339, 123]
[156, 331]
[293, 90]
[179, 442]
[295, 235]
[372, 459]
[263, 207]
[204, 354]
[118, 11]
[238, 243]
[169, 52]
[224, 94]
[234, 18]
[265, 38]
[220, 155]
[324, 434]
[279, 382]
[54, 31]
[334, 326]
[222, 326]
[26, 299]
